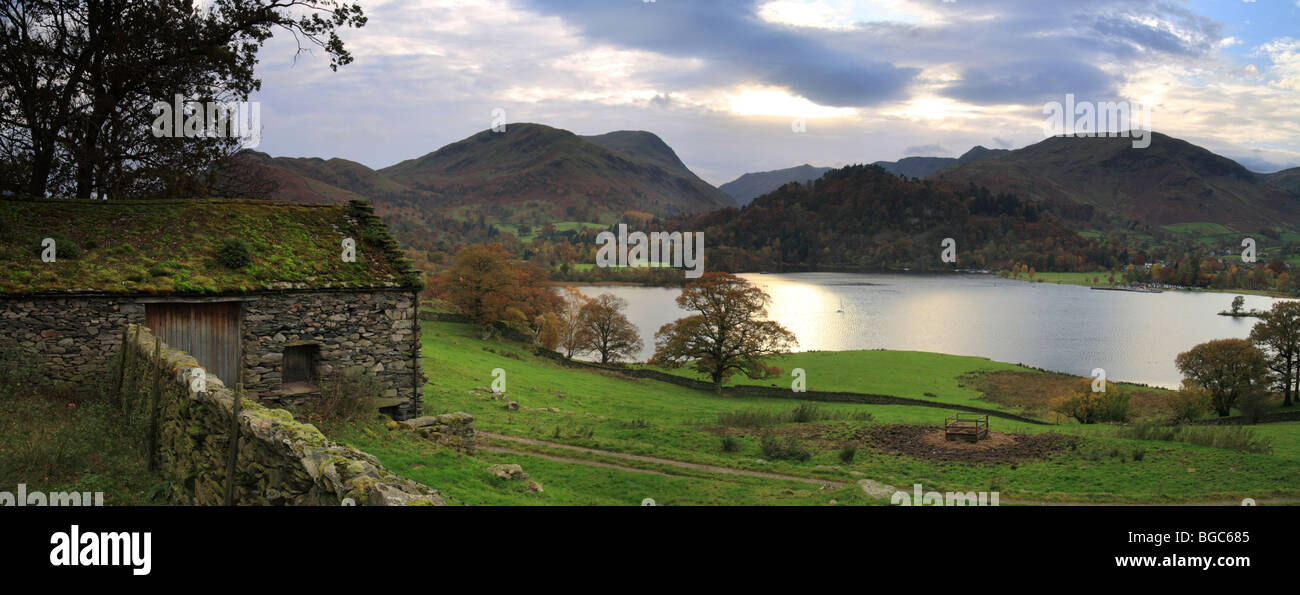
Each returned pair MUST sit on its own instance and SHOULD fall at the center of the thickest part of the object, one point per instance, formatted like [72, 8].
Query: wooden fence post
[128, 361]
[118, 384]
[155, 399]
[234, 444]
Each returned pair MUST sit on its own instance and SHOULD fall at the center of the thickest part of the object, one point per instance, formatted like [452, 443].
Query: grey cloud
[736, 45]
[1032, 82]
[925, 151]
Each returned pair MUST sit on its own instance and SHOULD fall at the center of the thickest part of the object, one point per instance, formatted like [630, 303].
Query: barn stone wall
[71, 339]
[377, 332]
[278, 460]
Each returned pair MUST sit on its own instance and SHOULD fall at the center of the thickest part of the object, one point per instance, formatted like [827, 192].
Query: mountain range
[1287, 179]
[535, 174]
[1171, 181]
[570, 175]
[753, 185]
[582, 177]
[922, 167]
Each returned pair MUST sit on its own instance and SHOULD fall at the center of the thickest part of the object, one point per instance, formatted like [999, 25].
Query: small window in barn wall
[299, 372]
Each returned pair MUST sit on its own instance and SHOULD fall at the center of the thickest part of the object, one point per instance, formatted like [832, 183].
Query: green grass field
[611, 413]
[913, 374]
[559, 226]
[1199, 228]
[1096, 279]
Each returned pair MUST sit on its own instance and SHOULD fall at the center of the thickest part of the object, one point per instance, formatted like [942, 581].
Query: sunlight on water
[1133, 336]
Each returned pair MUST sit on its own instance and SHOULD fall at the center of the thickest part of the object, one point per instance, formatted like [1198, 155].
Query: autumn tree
[606, 330]
[572, 332]
[1277, 334]
[546, 330]
[727, 334]
[488, 286]
[1227, 369]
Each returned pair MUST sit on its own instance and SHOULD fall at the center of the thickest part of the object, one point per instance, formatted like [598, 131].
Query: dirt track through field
[644, 459]
[871, 487]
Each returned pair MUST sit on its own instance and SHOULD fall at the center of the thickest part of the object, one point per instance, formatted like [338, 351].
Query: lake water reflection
[1133, 336]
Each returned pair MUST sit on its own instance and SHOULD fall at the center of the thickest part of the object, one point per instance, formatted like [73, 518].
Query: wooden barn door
[209, 332]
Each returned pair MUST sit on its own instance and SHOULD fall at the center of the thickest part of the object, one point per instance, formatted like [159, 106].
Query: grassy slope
[914, 374]
[658, 419]
[52, 446]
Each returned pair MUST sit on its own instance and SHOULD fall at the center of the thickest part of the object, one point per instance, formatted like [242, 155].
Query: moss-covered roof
[171, 246]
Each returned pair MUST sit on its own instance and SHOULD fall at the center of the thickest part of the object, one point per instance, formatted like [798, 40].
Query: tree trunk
[1290, 382]
[717, 382]
[1292, 390]
[42, 164]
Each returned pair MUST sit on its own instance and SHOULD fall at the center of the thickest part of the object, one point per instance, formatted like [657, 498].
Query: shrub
[1113, 405]
[847, 454]
[1188, 404]
[234, 253]
[63, 247]
[730, 443]
[1252, 404]
[1088, 407]
[345, 396]
[804, 413]
[786, 449]
[374, 235]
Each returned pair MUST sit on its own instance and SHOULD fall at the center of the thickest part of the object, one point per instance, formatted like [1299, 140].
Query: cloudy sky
[723, 81]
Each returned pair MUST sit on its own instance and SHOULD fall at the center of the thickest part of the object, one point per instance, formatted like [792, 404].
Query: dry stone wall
[279, 461]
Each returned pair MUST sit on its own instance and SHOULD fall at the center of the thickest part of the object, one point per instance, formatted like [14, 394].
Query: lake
[1133, 336]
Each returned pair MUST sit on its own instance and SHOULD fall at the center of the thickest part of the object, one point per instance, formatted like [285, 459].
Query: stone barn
[278, 296]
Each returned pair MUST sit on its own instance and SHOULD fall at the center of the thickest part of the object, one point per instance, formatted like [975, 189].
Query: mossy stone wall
[279, 461]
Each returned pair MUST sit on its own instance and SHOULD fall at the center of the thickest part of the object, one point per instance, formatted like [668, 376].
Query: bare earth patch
[923, 442]
[929, 443]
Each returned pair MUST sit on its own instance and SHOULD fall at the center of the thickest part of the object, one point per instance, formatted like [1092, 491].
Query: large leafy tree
[572, 333]
[607, 330]
[489, 286]
[1227, 369]
[78, 79]
[729, 332]
[1278, 335]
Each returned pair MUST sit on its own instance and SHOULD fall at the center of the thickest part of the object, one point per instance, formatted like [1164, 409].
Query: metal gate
[207, 331]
